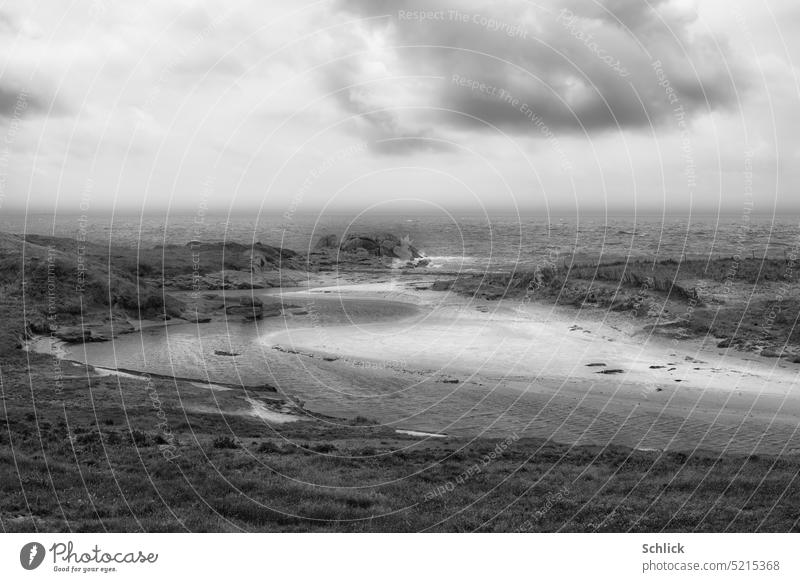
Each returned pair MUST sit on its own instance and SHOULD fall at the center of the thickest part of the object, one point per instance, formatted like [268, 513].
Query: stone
[73, 334]
[250, 301]
[329, 241]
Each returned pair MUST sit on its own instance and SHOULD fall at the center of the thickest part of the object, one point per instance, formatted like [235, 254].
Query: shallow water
[188, 350]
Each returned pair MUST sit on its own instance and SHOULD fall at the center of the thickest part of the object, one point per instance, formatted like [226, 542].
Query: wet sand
[473, 368]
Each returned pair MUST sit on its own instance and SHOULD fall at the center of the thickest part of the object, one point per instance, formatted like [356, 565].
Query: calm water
[190, 350]
[465, 242]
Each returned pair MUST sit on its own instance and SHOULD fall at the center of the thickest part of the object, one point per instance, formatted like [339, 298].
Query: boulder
[246, 312]
[272, 311]
[354, 244]
[255, 311]
[73, 335]
[196, 317]
[250, 301]
[97, 336]
[381, 245]
[329, 241]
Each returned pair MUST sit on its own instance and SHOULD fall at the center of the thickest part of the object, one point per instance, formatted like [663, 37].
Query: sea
[465, 242]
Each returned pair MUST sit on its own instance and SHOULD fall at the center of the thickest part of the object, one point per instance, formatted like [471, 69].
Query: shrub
[225, 442]
[140, 438]
[269, 447]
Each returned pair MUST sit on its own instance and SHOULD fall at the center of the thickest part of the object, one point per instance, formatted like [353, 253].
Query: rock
[381, 245]
[96, 336]
[330, 241]
[726, 343]
[272, 310]
[771, 353]
[196, 317]
[442, 285]
[73, 334]
[224, 353]
[247, 313]
[250, 301]
[353, 244]
[244, 285]
[122, 326]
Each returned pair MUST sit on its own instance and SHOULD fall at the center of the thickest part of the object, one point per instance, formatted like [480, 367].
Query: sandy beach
[475, 368]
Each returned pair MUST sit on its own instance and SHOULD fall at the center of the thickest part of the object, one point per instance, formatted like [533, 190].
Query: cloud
[8, 22]
[579, 66]
[16, 102]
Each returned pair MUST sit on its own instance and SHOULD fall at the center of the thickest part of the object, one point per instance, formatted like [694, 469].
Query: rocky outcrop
[329, 241]
[73, 335]
[250, 301]
[256, 258]
[366, 248]
[251, 308]
[381, 245]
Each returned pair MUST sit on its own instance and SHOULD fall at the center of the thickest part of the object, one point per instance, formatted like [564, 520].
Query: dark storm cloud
[17, 101]
[579, 66]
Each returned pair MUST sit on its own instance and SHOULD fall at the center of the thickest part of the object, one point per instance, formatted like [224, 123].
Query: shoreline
[503, 358]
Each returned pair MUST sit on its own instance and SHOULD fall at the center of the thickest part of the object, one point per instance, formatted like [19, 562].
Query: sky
[375, 105]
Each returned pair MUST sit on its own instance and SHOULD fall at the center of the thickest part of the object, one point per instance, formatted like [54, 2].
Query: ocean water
[467, 242]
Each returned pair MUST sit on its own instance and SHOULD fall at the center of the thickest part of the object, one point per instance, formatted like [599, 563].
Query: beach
[474, 368]
[411, 358]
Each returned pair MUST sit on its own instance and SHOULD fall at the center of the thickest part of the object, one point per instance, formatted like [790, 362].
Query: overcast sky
[626, 105]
